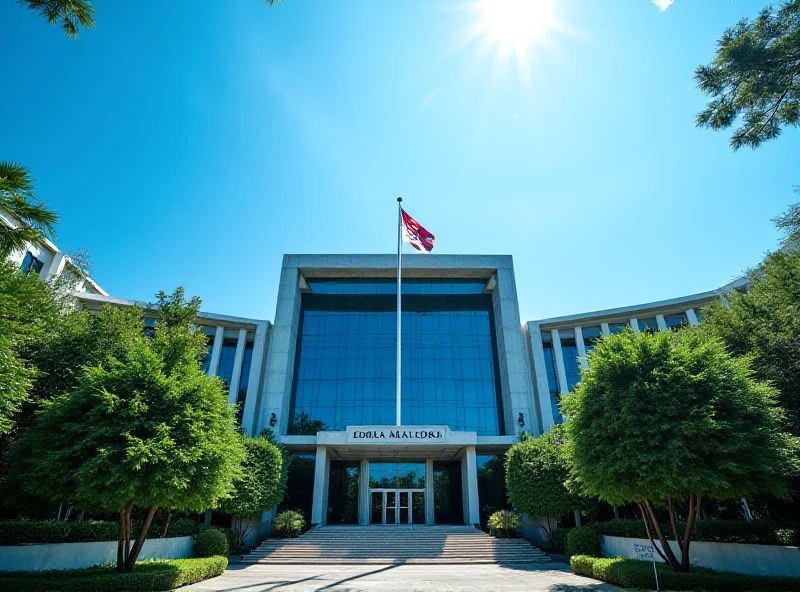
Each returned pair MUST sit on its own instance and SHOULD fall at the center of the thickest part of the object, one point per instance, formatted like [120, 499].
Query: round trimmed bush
[210, 543]
[290, 523]
[583, 541]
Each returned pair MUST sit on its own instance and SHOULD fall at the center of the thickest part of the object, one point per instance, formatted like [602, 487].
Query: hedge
[630, 573]
[760, 532]
[210, 543]
[558, 541]
[156, 575]
[30, 532]
[583, 541]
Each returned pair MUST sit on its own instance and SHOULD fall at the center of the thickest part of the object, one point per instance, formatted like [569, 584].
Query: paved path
[552, 577]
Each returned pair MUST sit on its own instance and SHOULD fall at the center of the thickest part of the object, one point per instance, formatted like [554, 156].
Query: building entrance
[397, 506]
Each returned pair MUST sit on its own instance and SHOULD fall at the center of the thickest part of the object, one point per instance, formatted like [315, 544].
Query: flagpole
[399, 290]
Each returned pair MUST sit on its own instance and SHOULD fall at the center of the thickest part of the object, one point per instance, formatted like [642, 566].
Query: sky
[194, 142]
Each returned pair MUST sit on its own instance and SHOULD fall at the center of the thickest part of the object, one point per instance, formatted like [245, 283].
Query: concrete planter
[80, 555]
[760, 560]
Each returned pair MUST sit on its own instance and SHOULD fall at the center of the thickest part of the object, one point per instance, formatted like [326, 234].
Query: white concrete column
[540, 380]
[216, 351]
[429, 515]
[605, 329]
[561, 370]
[56, 267]
[233, 390]
[662, 324]
[249, 414]
[469, 470]
[581, 347]
[319, 504]
[364, 508]
[635, 325]
[691, 316]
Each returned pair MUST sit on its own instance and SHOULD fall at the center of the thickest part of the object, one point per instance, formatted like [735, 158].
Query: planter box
[80, 555]
[759, 560]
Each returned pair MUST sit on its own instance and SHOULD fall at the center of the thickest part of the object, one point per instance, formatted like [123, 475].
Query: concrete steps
[391, 544]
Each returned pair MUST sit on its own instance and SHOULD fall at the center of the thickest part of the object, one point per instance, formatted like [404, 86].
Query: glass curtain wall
[491, 485]
[346, 357]
[343, 492]
[448, 505]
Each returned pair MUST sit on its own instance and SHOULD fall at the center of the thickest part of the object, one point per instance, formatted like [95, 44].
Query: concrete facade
[81, 555]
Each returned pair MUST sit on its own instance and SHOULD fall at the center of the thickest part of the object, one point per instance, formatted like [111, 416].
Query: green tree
[17, 198]
[145, 429]
[14, 384]
[755, 77]
[764, 324]
[661, 418]
[261, 486]
[789, 224]
[72, 15]
[537, 470]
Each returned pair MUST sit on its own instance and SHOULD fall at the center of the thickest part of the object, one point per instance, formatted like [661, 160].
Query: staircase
[394, 544]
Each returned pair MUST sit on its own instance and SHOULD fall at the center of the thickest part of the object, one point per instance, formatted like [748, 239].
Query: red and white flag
[415, 235]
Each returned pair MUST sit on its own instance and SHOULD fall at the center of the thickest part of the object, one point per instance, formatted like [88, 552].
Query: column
[540, 378]
[469, 470]
[253, 384]
[319, 503]
[691, 316]
[581, 347]
[563, 388]
[241, 343]
[56, 267]
[605, 329]
[364, 501]
[662, 324]
[216, 351]
[635, 325]
[429, 514]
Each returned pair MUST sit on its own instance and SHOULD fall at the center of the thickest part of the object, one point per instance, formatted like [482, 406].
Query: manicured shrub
[558, 540]
[210, 543]
[504, 523]
[33, 532]
[583, 541]
[156, 575]
[233, 539]
[630, 573]
[289, 523]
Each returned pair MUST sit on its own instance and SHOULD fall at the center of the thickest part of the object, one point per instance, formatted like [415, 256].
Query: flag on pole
[415, 235]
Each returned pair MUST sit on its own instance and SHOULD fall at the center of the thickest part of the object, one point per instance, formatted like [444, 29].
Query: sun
[515, 23]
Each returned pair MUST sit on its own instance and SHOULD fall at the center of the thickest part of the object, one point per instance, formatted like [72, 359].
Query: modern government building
[322, 374]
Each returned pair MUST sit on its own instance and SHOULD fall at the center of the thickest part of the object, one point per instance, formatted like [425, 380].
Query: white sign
[397, 434]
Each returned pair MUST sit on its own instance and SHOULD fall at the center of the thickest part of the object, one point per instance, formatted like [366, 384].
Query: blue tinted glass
[346, 362]
[617, 327]
[392, 474]
[676, 321]
[226, 360]
[648, 325]
[571, 365]
[244, 379]
[550, 366]
[389, 286]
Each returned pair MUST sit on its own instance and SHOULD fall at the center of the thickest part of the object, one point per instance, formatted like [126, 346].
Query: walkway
[551, 577]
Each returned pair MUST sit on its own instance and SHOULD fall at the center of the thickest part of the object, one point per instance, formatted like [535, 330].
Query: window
[699, 314]
[226, 360]
[569, 351]
[30, 264]
[648, 325]
[615, 328]
[345, 363]
[150, 328]
[210, 333]
[676, 321]
[591, 335]
[244, 379]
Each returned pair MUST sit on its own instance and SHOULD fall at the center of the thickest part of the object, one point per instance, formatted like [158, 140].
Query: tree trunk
[748, 515]
[670, 556]
[694, 509]
[121, 541]
[137, 546]
[577, 515]
[58, 518]
[166, 523]
[616, 512]
[69, 511]
[649, 535]
[207, 521]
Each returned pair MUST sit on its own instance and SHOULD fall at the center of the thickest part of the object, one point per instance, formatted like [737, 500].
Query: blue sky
[194, 142]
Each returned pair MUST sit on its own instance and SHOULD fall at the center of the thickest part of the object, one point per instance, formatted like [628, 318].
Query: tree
[789, 224]
[14, 384]
[755, 76]
[537, 470]
[18, 199]
[72, 14]
[144, 429]
[666, 417]
[764, 324]
[261, 486]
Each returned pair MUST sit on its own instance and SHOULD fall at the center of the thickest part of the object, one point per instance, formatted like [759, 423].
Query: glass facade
[397, 475]
[492, 494]
[345, 365]
[448, 505]
[676, 321]
[30, 264]
[227, 358]
[569, 350]
[648, 325]
[591, 335]
[343, 492]
[615, 328]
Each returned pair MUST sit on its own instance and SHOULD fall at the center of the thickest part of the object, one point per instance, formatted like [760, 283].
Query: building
[322, 377]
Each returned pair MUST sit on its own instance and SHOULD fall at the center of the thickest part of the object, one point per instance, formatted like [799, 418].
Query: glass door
[397, 506]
